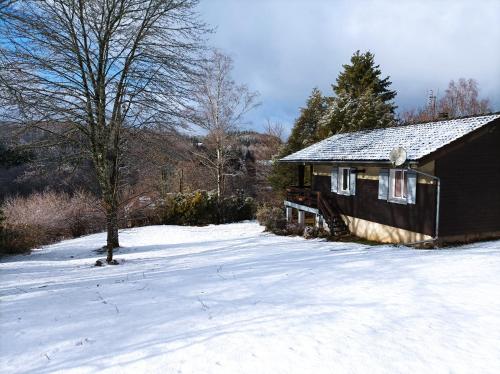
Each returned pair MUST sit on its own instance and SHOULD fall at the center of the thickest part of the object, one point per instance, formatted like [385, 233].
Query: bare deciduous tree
[275, 131]
[273, 139]
[460, 99]
[220, 107]
[101, 68]
[422, 114]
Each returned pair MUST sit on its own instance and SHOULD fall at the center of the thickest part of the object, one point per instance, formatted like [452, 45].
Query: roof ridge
[420, 139]
[452, 119]
[400, 125]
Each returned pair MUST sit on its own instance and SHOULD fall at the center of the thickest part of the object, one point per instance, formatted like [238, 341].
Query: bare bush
[46, 217]
[140, 210]
[272, 218]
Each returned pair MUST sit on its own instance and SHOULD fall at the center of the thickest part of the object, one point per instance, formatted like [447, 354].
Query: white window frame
[403, 199]
[341, 181]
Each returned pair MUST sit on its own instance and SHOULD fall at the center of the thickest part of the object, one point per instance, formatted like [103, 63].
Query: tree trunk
[112, 231]
[220, 185]
[220, 218]
[219, 173]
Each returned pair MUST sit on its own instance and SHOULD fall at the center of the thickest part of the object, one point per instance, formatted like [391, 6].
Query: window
[398, 185]
[344, 181]
[400, 188]
[344, 174]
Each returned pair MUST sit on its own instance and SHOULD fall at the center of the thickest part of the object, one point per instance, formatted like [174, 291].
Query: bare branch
[100, 68]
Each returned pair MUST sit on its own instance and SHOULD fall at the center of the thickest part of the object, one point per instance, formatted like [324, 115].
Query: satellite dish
[398, 156]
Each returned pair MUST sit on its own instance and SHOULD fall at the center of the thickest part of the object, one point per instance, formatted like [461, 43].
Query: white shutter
[383, 184]
[335, 180]
[411, 181]
[352, 182]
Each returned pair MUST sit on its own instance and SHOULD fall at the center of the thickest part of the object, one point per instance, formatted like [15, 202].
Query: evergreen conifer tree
[363, 75]
[304, 133]
[363, 99]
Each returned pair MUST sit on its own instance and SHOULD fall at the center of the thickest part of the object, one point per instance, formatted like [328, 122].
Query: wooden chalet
[446, 190]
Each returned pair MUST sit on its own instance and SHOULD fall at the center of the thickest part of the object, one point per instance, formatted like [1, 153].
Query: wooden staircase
[335, 223]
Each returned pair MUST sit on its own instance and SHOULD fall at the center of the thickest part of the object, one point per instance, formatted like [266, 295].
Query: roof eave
[310, 161]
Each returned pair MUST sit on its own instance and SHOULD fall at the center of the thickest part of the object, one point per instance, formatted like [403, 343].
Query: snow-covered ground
[232, 299]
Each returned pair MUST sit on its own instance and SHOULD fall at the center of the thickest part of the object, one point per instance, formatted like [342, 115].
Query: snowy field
[232, 299]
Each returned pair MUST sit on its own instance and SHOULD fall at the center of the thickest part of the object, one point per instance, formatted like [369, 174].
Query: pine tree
[363, 75]
[363, 99]
[346, 114]
[304, 133]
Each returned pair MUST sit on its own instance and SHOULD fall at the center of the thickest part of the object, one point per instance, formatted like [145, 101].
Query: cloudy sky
[284, 48]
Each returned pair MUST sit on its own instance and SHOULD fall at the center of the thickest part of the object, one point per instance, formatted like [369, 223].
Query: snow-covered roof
[418, 140]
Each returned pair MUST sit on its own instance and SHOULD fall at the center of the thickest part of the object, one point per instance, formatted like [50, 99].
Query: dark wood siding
[470, 186]
[365, 204]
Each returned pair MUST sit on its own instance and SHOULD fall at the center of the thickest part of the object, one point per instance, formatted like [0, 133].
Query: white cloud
[285, 48]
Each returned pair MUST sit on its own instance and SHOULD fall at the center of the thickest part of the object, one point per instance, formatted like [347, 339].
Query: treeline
[154, 162]
[204, 171]
[48, 195]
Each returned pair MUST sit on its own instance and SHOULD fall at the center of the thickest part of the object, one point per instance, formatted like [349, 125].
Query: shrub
[272, 218]
[294, 229]
[197, 208]
[140, 211]
[83, 215]
[237, 208]
[3, 232]
[43, 218]
[312, 232]
[201, 208]
[46, 217]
